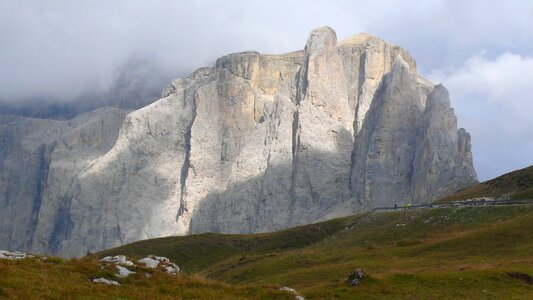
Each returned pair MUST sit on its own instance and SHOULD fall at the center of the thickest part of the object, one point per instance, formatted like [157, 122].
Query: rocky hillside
[516, 185]
[37, 277]
[254, 143]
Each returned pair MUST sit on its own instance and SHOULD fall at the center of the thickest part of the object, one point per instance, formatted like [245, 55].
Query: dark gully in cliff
[255, 143]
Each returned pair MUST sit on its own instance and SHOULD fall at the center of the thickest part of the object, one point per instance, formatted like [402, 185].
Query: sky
[482, 51]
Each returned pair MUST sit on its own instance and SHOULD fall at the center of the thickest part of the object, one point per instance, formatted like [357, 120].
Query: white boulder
[106, 281]
[123, 272]
[117, 259]
[149, 262]
[13, 255]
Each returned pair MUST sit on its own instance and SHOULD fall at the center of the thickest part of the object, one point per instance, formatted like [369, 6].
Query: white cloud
[60, 48]
[498, 80]
[493, 99]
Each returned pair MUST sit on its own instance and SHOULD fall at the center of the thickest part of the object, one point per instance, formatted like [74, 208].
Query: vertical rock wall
[254, 143]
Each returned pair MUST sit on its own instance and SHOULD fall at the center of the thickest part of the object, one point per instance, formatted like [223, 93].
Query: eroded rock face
[41, 161]
[409, 149]
[255, 143]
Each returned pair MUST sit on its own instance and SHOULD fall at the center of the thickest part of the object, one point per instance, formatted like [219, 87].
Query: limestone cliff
[254, 143]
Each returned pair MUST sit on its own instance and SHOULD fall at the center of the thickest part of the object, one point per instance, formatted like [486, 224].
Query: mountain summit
[254, 143]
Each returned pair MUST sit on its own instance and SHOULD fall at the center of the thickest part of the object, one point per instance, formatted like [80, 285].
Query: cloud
[496, 79]
[494, 101]
[60, 49]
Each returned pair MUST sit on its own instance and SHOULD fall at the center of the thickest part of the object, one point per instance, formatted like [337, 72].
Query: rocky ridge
[255, 143]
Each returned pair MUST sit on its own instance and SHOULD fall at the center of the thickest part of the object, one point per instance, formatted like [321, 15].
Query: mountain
[253, 144]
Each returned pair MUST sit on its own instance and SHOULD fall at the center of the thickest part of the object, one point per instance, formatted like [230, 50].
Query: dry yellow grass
[71, 279]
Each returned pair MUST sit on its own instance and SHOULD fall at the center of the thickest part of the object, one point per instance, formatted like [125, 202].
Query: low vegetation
[516, 185]
[55, 278]
[465, 252]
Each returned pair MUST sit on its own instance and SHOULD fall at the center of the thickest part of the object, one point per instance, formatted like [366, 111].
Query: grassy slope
[196, 252]
[71, 279]
[518, 184]
[438, 253]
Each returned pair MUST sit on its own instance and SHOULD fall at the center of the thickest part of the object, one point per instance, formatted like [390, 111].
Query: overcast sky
[482, 51]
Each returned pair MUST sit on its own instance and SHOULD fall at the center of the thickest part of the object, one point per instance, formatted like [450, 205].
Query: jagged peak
[439, 95]
[320, 40]
[323, 30]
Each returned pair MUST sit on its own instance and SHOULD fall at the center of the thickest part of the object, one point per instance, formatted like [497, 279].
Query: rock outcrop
[255, 143]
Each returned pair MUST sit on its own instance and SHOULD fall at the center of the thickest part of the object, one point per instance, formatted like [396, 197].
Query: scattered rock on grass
[106, 281]
[288, 289]
[149, 262]
[123, 272]
[356, 277]
[172, 268]
[152, 261]
[117, 259]
[13, 255]
[292, 291]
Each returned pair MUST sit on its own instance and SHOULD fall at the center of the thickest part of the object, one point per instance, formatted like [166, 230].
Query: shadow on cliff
[284, 195]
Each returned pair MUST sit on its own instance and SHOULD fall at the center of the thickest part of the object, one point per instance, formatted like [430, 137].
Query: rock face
[255, 143]
[409, 145]
[40, 161]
